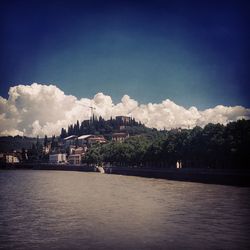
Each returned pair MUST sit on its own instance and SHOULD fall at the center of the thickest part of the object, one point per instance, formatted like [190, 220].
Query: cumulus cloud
[38, 109]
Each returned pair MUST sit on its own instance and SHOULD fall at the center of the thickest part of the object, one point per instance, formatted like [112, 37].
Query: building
[123, 119]
[9, 158]
[71, 149]
[57, 158]
[75, 159]
[84, 140]
[70, 140]
[122, 127]
[76, 155]
[97, 139]
[119, 137]
[78, 150]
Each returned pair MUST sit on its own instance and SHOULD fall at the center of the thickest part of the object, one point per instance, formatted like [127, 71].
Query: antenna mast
[91, 111]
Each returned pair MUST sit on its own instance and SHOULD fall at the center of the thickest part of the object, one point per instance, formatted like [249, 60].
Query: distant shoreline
[48, 166]
[234, 177]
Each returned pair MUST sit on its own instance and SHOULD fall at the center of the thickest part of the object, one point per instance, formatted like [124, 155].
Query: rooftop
[70, 137]
[83, 137]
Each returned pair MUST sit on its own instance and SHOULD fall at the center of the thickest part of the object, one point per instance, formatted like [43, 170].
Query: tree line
[214, 146]
[104, 127]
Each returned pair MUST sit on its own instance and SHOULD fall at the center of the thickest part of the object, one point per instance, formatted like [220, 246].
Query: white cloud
[44, 109]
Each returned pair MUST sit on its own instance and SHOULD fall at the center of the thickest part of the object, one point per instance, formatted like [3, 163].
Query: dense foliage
[214, 146]
[104, 127]
[10, 143]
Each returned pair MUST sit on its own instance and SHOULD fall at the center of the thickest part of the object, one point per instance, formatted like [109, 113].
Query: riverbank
[210, 176]
[232, 177]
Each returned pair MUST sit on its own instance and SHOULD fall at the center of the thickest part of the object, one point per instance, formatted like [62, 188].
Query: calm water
[74, 210]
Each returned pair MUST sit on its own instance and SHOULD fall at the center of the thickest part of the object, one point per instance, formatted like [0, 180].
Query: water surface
[77, 210]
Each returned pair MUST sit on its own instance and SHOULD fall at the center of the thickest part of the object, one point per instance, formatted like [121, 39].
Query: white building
[11, 159]
[57, 158]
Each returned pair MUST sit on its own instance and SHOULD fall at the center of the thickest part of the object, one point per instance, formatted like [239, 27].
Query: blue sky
[192, 52]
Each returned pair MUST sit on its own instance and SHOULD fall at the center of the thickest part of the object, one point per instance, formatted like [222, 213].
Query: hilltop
[99, 126]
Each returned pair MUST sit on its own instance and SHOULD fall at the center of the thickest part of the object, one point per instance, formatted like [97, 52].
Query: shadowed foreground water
[77, 210]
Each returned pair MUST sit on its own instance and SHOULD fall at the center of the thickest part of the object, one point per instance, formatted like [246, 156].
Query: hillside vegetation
[214, 146]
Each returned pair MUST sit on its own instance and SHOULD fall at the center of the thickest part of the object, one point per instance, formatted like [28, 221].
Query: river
[79, 210]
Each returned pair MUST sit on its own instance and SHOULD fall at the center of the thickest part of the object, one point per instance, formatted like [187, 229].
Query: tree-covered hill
[105, 127]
